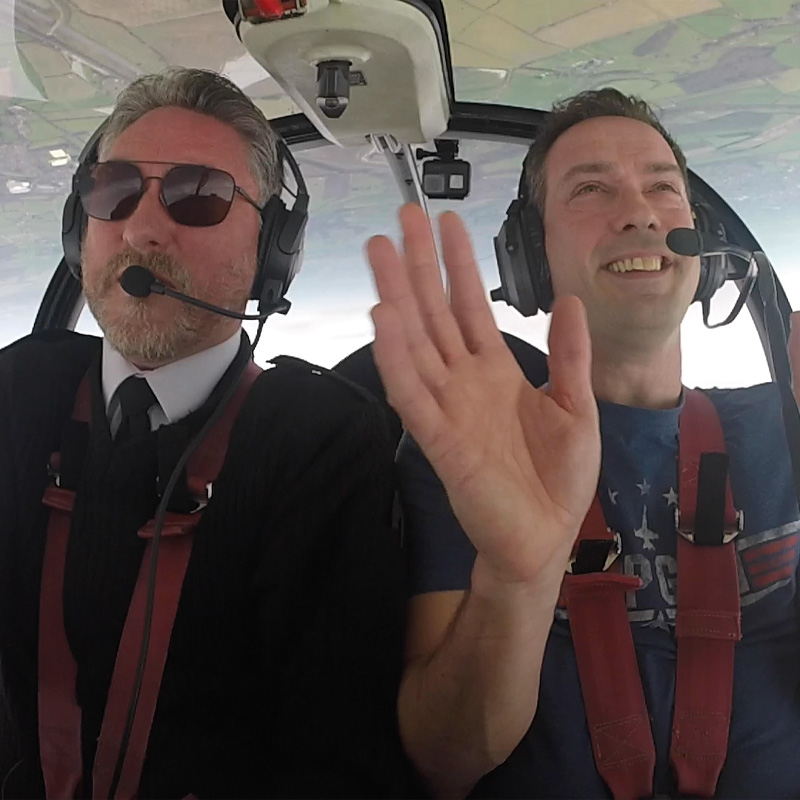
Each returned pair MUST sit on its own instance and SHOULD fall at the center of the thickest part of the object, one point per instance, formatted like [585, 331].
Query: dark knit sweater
[282, 672]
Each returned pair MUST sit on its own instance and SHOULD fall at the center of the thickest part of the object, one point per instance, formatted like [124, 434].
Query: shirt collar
[181, 386]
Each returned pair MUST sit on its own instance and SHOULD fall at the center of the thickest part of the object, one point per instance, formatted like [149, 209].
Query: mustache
[162, 265]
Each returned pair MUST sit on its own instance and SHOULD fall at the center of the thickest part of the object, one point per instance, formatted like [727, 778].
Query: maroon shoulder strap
[707, 625]
[616, 712]
[59, 714]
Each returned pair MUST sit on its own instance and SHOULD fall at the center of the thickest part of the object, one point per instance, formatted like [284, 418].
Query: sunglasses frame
[86, 170]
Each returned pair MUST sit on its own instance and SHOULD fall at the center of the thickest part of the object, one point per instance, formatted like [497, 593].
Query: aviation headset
[280, 242]
[525, 280]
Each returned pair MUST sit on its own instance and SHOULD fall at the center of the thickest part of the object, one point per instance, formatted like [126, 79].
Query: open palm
[519, 464]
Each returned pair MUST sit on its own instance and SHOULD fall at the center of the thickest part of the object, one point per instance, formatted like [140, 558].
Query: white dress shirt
[180, 387]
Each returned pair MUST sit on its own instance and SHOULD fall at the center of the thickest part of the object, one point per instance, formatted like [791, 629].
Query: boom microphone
[685, 242]
[138, 281]
[691, 242]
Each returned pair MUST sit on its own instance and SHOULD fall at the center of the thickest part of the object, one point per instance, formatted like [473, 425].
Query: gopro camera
[444, 175]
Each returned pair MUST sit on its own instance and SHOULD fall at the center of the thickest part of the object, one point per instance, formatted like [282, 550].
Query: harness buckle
[201, 499]
[54, 474]
[595, 555]
[729, 532]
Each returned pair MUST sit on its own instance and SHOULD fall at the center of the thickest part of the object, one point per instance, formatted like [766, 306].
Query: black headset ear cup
[713, 269]
[280, 247]
[516, 284]
[280, 242]
[73, 226]
[269, 281]
[536, 255]
[73, 218]
[522, 260]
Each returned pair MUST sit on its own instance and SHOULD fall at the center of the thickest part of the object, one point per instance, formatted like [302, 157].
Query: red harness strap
[173, 558]
[707, 627]
[59, 713]
[708, 622]
[619, 723]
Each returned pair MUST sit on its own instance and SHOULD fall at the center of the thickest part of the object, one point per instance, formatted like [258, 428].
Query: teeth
[646, 264]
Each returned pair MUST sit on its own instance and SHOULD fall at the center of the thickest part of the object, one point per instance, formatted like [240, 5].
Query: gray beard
[131, 331]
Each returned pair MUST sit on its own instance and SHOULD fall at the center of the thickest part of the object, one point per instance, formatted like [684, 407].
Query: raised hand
[520, 464]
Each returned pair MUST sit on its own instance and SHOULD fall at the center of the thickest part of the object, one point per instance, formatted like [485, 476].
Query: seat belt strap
[616, 712]
[707, 625]
[173, 558]
[60, 715]
[619, 725]
[708, 621]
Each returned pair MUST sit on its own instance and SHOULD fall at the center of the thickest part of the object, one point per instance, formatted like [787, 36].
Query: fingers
[388, 270]
[794, 352]
[570, 358]
[467, 293]
[466, 319]
[426, 280]
[418, 335]
[395, 291]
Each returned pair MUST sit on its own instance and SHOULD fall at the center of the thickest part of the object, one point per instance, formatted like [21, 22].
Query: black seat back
[360, 368]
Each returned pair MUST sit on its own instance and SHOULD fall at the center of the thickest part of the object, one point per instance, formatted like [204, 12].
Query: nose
[635, 212]
[150, 226]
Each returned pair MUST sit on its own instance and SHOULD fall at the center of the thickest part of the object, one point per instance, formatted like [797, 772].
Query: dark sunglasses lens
[110, 190]
[197, 195]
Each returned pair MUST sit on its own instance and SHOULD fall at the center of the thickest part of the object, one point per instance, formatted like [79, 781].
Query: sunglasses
[193, 194]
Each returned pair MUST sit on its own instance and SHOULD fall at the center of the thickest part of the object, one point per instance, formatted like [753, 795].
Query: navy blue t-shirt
[638, 493]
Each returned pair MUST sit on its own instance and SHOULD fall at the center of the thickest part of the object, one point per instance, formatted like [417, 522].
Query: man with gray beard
[276, 663]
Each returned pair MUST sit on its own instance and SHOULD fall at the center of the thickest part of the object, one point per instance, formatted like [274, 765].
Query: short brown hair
[564, 114]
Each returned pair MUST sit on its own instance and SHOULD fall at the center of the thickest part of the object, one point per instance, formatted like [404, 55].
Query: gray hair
[207, 93]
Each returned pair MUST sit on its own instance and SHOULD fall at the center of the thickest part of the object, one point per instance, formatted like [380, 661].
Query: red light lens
[272, 9]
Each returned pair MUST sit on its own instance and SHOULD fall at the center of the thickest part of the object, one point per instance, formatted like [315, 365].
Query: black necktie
[136, 398]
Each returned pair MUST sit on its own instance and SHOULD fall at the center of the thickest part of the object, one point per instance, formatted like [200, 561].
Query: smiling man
[606, 222]
[565, 639]
[272, 662]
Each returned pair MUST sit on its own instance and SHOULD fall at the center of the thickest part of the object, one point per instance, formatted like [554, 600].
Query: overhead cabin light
[59, 158]
[18, 187]
[256, 11]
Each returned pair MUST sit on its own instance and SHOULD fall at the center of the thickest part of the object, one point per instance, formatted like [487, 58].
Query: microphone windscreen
[685, 242]
[137, 281]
